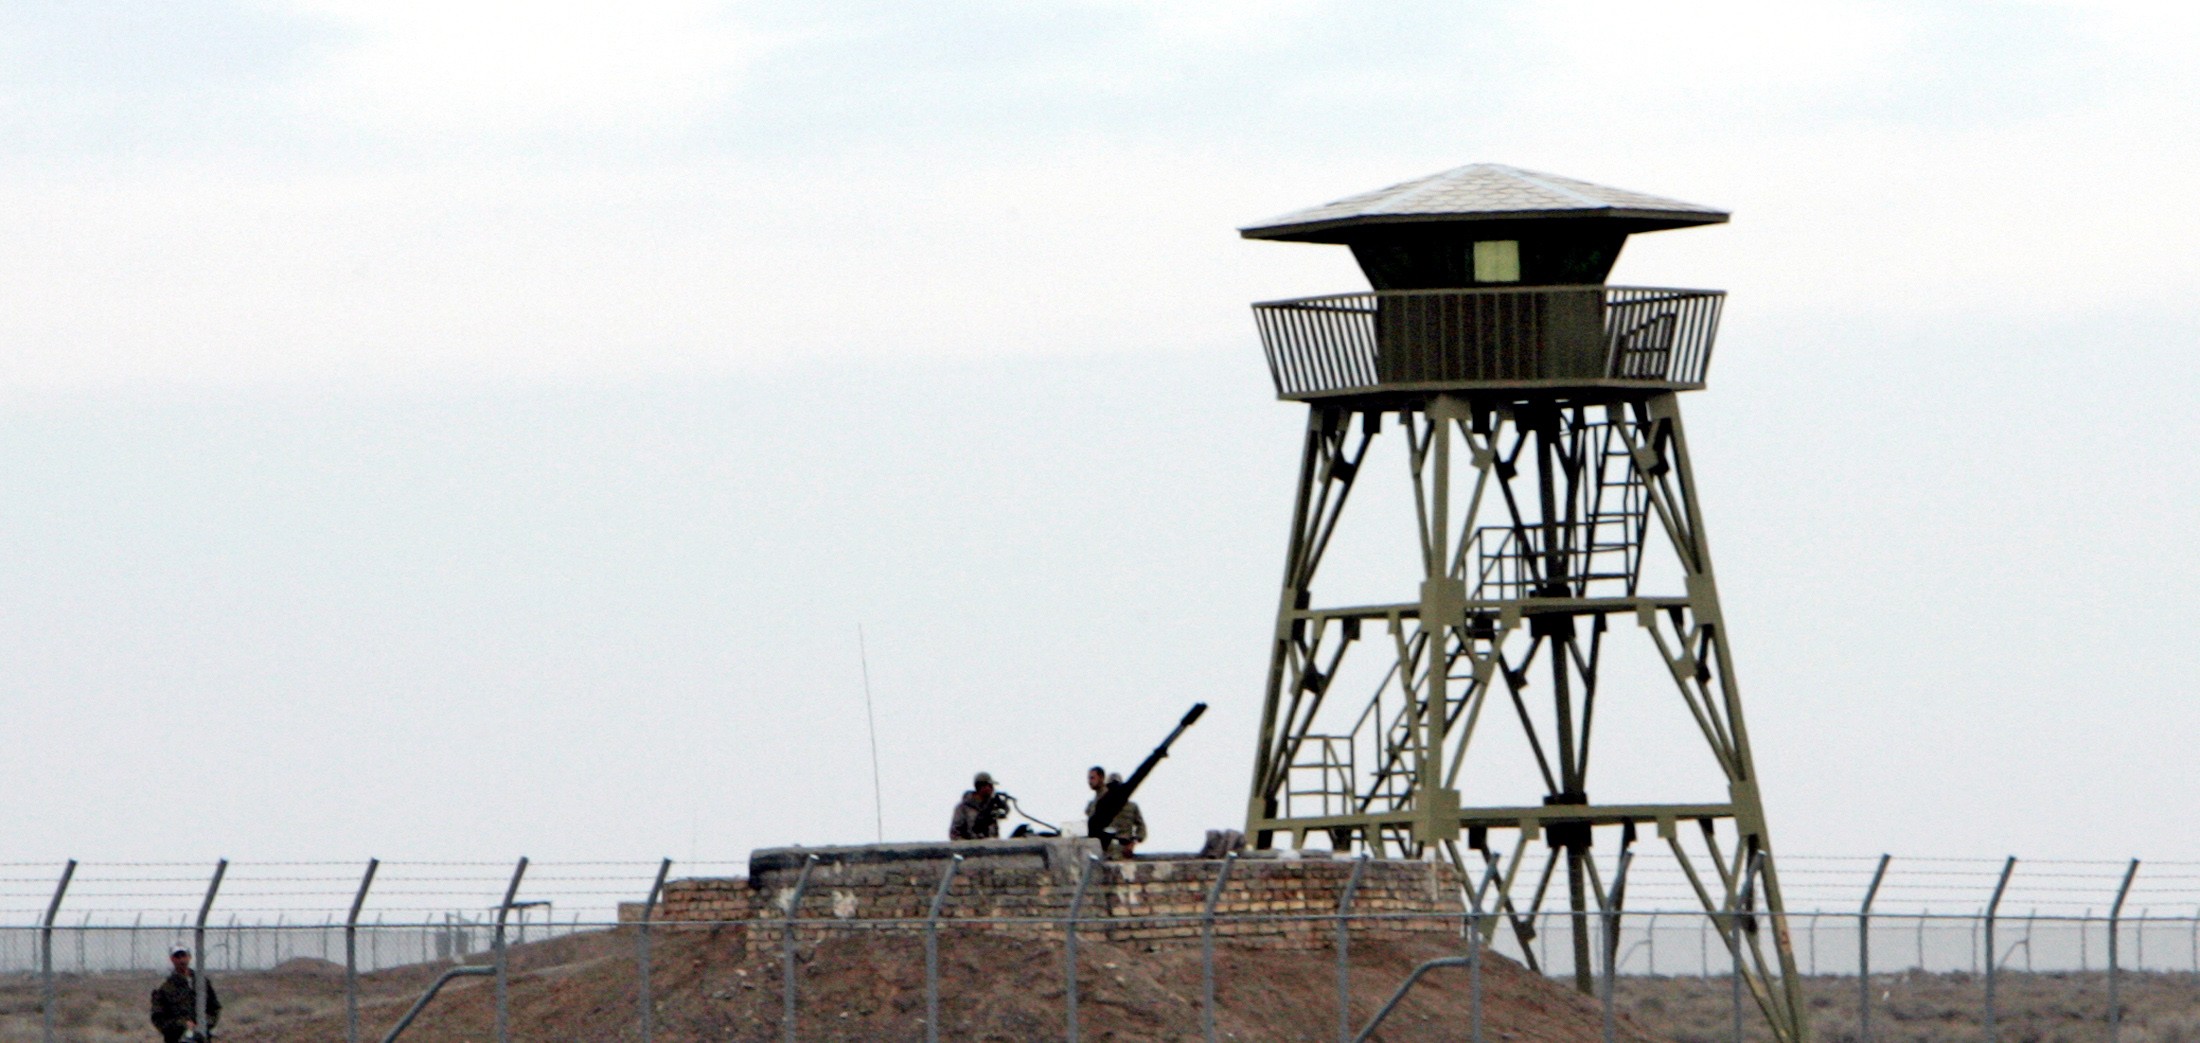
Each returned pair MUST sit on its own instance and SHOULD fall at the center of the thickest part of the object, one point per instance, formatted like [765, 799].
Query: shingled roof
[1483, 192]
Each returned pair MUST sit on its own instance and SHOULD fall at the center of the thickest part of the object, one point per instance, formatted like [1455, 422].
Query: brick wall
[1035, 880]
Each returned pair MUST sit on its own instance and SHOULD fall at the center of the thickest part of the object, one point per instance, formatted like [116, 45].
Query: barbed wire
[1812, 884]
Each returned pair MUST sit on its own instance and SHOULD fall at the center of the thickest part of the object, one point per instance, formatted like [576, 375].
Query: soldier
[175, 1007]
[1129, 826]
[978, 816]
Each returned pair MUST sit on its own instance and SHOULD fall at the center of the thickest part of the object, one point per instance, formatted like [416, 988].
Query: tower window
[1497, 260]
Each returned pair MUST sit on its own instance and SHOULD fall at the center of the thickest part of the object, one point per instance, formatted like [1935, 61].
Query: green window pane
[1497, 260]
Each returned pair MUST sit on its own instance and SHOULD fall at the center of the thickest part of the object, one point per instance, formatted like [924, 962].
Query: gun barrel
[1118, 794]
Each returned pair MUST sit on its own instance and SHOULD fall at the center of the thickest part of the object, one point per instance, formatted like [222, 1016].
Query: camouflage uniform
[1129, 826]
[971, 820]
[174, 1006]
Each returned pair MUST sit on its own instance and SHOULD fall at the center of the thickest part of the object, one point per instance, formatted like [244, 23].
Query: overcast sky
[466, 429]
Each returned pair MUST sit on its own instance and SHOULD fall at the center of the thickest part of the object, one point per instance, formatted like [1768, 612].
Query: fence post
[1069, 944]
[198, 943]
[1207, 950]
[2031, 919]
[1924, 917]
[786, 950]
[2085, 949]
[351, 952]
[1611, 942]
[932, 951]
[641, 945]
[1541, 921]
[45, 949]
[1811, 934]
[1344, 949]
[1703, 948]
[1474, 952]
[1993, 908]
[503, 955]
[2139, 943]
[2115, 913]
[1745, 898]
[1864, 954]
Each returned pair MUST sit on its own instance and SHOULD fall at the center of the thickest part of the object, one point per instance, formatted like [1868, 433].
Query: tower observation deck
[1488, 276]
[1556, 518]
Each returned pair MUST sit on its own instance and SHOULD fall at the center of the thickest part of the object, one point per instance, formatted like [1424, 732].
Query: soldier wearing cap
[175, 1005]
[977, 817]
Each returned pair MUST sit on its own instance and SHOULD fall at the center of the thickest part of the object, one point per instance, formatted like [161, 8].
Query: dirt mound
[991, 988]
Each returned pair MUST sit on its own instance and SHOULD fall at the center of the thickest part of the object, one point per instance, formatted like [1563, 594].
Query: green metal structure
[1556, 527]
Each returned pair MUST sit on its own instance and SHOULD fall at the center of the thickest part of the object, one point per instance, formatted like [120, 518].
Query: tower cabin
[1487, 276]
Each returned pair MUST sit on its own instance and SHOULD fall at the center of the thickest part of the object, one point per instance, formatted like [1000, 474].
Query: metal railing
[1362, 342]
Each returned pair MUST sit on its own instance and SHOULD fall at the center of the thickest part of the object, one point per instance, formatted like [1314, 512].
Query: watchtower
[1556, 510]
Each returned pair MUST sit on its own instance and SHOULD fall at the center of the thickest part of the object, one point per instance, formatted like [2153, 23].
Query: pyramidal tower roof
[1484, 192]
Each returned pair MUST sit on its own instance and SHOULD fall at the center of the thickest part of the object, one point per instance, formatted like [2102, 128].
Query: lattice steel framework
[1551, 522]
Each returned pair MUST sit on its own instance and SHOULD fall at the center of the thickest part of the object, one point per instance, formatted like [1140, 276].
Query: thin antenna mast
[878, 813]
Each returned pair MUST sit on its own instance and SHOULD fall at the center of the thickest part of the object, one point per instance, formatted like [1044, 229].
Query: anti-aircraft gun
[1110, 804]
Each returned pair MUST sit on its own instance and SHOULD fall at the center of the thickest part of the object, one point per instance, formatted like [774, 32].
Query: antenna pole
[870, 718]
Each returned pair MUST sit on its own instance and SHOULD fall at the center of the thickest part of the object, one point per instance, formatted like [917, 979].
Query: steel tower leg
[1533, 550]
[1778, 989]
[1327, 467]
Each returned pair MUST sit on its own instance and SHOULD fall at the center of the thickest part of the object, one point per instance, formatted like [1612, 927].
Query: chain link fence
[2028, 950]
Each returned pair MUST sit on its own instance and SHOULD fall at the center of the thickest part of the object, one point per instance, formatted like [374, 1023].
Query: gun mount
[1111, 801]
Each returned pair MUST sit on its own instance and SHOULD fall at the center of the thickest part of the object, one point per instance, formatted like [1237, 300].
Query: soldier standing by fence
[175, 1004]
